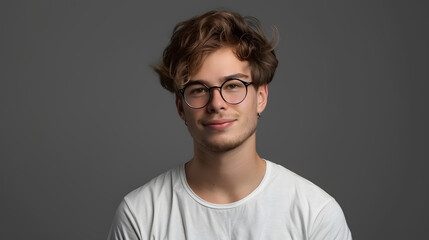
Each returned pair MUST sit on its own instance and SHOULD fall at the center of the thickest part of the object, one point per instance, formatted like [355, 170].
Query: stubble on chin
[224, 145]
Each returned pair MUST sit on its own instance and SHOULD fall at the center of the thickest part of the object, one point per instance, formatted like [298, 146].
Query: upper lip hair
[217, 121]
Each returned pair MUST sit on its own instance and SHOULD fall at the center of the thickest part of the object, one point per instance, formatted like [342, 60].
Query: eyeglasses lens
[197, 95]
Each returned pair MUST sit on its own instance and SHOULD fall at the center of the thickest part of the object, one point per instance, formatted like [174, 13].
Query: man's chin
[222, 144]
[221, 147]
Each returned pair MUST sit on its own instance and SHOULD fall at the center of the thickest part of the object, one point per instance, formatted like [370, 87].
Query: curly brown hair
[194, 39]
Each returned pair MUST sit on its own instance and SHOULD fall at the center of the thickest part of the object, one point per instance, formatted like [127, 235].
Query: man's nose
[216, 101]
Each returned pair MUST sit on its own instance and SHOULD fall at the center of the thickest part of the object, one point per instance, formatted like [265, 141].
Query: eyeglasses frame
[182, 91]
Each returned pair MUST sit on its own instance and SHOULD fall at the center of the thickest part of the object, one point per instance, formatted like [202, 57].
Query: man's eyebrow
[237, 75]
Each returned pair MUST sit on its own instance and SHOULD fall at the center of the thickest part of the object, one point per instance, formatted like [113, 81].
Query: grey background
[84, 120]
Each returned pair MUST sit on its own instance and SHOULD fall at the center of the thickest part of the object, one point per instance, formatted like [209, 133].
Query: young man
[219, 65]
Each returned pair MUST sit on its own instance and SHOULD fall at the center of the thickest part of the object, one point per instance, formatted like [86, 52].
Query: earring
[259, 115]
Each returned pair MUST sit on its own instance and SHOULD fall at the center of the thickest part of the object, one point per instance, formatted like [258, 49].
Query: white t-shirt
[283, 206]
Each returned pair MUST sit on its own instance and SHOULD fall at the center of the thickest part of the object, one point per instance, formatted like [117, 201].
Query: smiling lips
[220, 124]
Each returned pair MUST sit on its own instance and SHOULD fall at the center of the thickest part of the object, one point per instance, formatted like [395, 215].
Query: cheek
[250, 103]
[192, 115]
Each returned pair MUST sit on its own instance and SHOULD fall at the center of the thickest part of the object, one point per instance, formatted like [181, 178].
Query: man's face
[221, 126]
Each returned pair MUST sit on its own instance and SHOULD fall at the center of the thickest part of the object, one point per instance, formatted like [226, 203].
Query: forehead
[219, 65]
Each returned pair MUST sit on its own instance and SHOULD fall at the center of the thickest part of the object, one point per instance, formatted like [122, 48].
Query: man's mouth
[220, 124]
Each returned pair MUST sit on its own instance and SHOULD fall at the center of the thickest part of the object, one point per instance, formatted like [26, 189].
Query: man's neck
[225, 177]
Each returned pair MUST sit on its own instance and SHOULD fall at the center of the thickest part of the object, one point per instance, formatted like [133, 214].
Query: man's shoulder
[157, 187]
[288, 181]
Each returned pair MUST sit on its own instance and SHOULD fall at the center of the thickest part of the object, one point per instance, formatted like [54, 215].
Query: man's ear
[262, 97]
[179, 106]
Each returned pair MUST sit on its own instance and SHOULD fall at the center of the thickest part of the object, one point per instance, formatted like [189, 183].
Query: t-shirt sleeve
[124, 225]
[330, 224]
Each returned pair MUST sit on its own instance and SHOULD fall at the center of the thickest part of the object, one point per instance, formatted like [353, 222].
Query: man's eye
[198, 91]
[233, 86]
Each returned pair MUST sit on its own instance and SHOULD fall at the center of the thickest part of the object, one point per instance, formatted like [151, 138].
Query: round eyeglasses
[197, 94]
